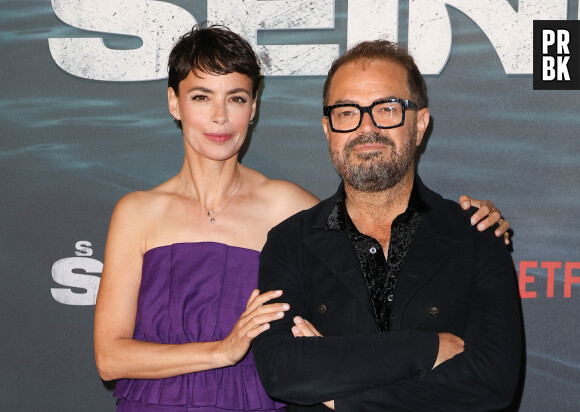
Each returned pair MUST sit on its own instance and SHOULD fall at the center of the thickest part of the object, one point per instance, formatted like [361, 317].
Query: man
[391, 274]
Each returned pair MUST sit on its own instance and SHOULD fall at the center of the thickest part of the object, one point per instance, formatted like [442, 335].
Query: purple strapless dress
[195, 292]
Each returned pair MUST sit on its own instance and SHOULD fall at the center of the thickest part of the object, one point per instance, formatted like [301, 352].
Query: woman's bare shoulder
[135, 215]
[283, 198]
[142, 205]
[291, 193]
[140, 201]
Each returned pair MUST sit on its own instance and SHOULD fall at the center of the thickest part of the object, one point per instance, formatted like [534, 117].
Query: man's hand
[487, 216]
[449, 346]
[303, 328]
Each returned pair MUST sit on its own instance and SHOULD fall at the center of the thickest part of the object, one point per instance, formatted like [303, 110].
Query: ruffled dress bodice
[195, 292]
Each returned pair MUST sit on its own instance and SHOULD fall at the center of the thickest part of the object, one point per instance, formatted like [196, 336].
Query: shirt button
[373, 250]
[322, 308]
[390, 298]
[434, 312]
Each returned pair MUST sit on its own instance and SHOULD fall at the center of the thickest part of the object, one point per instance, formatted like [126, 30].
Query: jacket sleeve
[482, 378]
[312, 370]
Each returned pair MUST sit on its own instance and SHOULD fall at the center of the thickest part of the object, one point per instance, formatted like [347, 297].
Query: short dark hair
[213, 50]
[382, 50]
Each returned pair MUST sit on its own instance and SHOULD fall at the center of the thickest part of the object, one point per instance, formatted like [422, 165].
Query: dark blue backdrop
[70, 147]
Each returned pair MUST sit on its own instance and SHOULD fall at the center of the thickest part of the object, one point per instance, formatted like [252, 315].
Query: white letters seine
[158, 24]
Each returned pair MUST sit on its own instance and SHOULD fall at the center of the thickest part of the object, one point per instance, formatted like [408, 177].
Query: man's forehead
[391, 67]
[368, 77]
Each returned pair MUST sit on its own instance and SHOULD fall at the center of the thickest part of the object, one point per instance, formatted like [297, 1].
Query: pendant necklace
[211, 213]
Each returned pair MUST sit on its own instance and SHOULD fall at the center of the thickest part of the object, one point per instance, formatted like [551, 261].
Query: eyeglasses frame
[405, 103]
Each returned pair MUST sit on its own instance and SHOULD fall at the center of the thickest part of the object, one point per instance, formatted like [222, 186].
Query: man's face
[371, 159]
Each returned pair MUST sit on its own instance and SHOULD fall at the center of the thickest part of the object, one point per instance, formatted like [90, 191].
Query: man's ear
[326, 128]
[422, 123]
[173, 103]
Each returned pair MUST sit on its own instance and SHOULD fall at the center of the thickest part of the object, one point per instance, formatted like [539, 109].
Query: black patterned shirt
[380, 274]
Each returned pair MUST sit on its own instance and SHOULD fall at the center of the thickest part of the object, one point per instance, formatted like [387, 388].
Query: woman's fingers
[255, 320]
[260, 321]
[253, 296]
[251, 334]
[486, 216]
[261, 315]
[260, 299]
[503, 229]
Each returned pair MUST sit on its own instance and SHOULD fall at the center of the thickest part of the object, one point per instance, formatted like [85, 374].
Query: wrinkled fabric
[195, 292]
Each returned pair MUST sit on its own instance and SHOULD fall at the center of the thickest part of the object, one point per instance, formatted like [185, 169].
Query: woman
[181, 259]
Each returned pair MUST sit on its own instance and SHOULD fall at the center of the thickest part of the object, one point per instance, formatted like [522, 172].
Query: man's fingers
[304, 328]
[449, 346]
[296, 332]
[312, 328]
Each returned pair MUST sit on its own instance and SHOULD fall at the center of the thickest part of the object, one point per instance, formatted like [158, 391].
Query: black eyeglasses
[385, 114]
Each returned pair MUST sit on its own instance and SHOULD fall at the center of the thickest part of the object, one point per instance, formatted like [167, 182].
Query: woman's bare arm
[117, 354]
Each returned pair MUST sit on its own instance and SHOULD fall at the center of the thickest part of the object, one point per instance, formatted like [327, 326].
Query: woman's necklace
[212, 215]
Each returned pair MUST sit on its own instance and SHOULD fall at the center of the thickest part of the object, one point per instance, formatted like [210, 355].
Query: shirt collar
[338, 218]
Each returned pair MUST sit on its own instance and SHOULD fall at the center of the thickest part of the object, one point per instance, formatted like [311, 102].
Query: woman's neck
[209, 182]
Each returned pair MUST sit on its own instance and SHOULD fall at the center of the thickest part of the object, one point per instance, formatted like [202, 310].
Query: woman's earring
[252, 120]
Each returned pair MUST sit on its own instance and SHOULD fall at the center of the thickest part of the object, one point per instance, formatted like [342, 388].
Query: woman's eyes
[238, 99]
[234, 99]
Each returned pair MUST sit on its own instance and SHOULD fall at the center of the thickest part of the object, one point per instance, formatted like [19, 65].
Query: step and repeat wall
[84, 121]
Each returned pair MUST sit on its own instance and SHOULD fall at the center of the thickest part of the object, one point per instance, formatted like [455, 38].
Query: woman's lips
[218, 137]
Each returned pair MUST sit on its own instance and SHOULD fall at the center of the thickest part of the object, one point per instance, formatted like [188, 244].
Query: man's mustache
[368, 138]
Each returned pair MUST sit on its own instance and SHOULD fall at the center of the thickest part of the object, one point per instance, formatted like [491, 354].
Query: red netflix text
[552, 270]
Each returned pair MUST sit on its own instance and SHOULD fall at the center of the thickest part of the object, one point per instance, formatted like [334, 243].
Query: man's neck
[374, 212]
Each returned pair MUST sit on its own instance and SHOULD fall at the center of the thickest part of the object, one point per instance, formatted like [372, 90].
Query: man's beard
[373, 171]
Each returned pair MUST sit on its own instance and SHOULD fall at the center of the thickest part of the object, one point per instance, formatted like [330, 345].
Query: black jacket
[454, 279]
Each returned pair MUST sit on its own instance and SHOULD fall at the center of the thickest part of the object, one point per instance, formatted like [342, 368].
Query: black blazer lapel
[336, 251]
[433, 243]
[425, 256]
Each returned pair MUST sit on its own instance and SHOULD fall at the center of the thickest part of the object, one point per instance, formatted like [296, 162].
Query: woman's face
[214, 111]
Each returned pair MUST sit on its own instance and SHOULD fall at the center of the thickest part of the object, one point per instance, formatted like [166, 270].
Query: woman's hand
[487, 216]
[255, 320]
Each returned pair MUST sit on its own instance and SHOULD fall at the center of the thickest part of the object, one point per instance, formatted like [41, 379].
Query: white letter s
[157, 23]
[63, 273]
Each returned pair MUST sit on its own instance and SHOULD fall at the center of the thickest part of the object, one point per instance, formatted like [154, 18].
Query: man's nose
[367, 123]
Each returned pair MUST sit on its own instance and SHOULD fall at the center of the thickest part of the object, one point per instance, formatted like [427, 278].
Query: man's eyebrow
[349, 101]
[345, 101]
